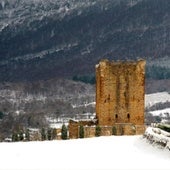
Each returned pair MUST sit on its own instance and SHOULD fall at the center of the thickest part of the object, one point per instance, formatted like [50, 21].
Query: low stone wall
[89, 131]
[129, 129]
[117, 129]
[106, 130]
[74, 128]
[140, 129]
[35, 135]
[58, 132]
[125, 129]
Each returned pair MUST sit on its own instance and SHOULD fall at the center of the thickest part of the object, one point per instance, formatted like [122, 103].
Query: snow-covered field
[100, 153]
[161, 113]
[155, 98]
[151, 99]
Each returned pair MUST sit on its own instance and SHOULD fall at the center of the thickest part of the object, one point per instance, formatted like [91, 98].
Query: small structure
[120, 89]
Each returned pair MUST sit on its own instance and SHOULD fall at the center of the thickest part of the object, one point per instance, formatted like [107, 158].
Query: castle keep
[119, 100]
[120, 92]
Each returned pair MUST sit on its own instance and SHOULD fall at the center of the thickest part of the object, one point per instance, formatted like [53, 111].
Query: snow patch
[84, 105]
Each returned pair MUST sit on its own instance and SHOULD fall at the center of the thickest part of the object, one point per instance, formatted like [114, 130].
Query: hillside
[45, 44]
[56, 96]
[43, 40]
[100, 153]
[31, 105]
[61, 97]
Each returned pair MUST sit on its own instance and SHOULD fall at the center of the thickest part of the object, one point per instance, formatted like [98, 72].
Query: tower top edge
[121, 62]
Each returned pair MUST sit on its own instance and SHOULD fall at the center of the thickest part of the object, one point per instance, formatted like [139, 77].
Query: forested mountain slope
[42, 39]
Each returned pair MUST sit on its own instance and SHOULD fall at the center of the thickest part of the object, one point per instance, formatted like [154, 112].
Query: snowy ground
[161, 113]
[159, 137]
[161, 97]
[101, 153]
[151, 99]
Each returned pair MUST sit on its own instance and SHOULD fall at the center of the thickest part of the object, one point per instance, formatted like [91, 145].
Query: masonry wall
[74, 128]
[120, 129]
[120, 92]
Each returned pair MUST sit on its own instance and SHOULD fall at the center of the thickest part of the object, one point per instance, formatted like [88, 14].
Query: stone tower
[120, 92]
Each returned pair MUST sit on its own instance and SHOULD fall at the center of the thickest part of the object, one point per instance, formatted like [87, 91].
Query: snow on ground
[163, 113]
[151, 99]
[100, 153]
[158, 136]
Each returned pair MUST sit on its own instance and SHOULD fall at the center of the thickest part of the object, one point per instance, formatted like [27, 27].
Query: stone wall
[140, 129]
[35, 134]
[58, 133]
[121, 129]
[89, 131]
[120, 92]
[74, 127]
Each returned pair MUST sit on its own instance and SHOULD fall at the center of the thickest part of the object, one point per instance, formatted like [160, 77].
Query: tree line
[152, 72]
[51, 134]
[88, 79]
[157, 72]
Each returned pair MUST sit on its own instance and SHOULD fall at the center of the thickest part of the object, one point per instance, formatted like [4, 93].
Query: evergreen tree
[14, 137]
[1, 115]
[81, 131]
[43, 134]
[49, 135]
[98, 131]
[21, 135]
[27, 135]
[64, 132]
[114, 131]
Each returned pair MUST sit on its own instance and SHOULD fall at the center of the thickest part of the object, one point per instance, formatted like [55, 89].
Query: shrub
[64, 132]
[114, 131]
[27, 135]
[15, 137]
[98, 131]
[81, 131]
[1, 115]
[21, 135]
[164, 127]
[49, 135]
[43, 135]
